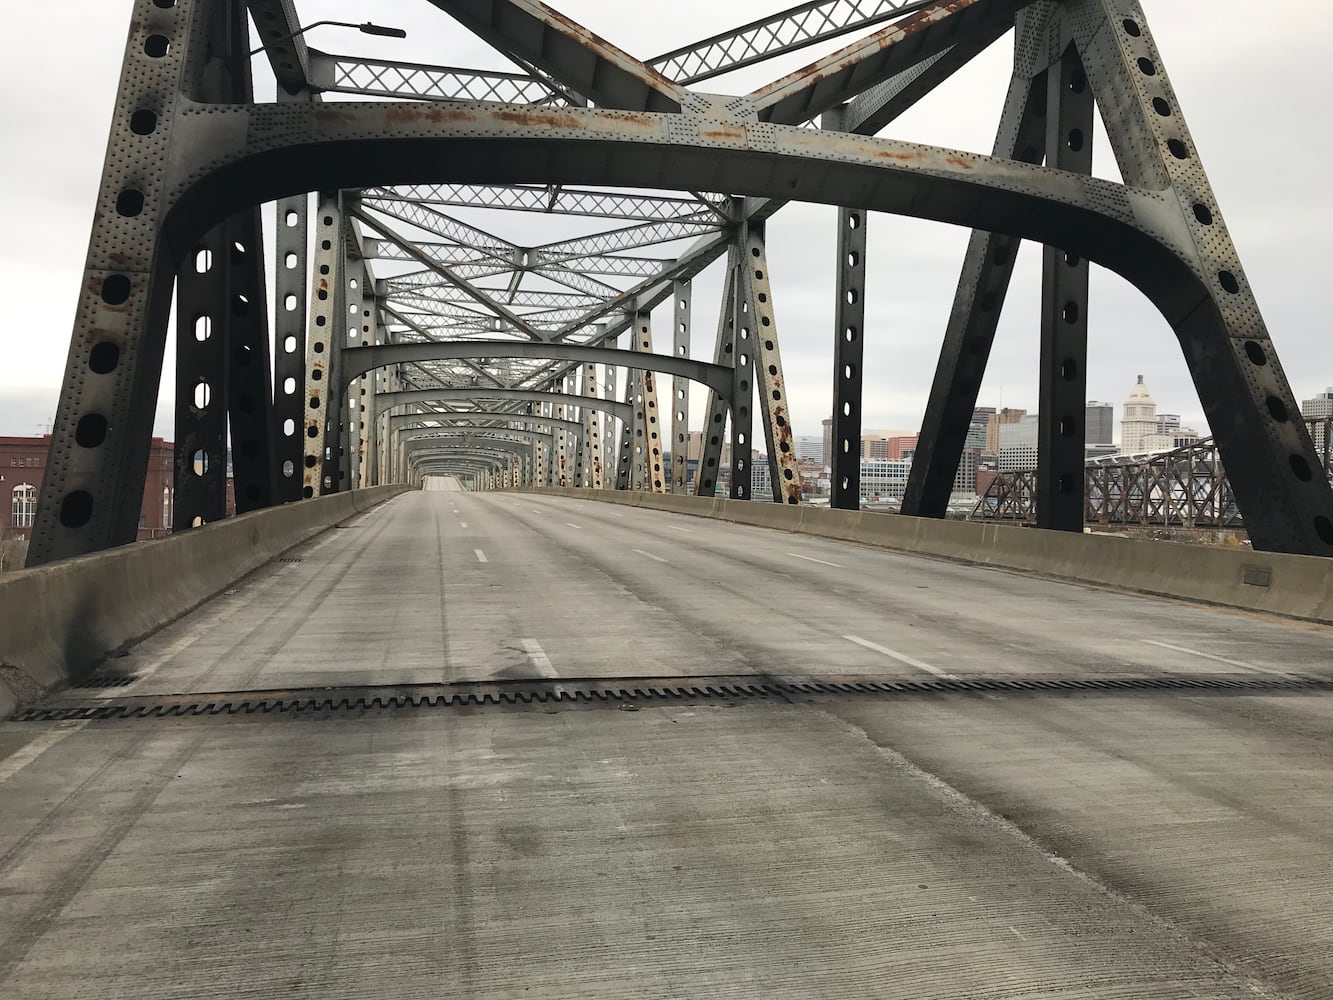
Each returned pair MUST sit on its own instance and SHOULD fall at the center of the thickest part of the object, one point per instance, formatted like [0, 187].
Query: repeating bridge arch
[192, 154]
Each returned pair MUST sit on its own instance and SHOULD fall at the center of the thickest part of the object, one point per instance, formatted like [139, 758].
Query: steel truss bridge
[594, 740]
[389, 299]
[1186, 487]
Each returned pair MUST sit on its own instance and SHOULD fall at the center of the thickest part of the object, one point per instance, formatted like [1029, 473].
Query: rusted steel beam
[784, 473]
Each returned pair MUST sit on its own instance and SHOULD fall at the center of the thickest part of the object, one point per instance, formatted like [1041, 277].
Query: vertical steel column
[710, 452]
[322, 345]
[354, 426]
[292, 229]
[647, 414]
[592, 429]
[553, 456]
[784, 473]
[578, 414]
[625, 464]
[848, 352]
[1062, 412]
[203, 320]
[372, 472]
[681, 297]
[249, 388]
[610, 436]
[562, 447]
[349, 434]
[982, 287]
[742, 395]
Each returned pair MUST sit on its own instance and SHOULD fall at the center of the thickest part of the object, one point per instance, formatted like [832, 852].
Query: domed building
[1140, 420]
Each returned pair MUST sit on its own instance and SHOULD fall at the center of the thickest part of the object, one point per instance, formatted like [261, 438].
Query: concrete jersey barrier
[58, 622]
[1273, 583]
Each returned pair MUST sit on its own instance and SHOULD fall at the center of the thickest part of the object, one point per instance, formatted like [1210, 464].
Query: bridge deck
[999, 843]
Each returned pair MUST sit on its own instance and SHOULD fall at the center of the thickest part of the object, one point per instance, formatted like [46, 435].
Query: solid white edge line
[481, 556]
[649, 555]
[1219, 659]
[677, 527]
[900, 657]
[29, 752]
[822, 562]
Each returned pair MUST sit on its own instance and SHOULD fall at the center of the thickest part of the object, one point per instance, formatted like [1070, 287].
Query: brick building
[23, 464]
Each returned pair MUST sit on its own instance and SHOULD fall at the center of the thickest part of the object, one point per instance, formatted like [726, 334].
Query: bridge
[484, 691]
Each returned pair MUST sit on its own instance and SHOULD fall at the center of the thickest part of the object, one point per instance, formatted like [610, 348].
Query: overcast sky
[1252, 79]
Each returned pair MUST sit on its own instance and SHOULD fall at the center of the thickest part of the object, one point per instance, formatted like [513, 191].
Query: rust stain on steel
[435, 114]
[328, 114]
[539, 117]
[959, 161]
[856, 53]
[724, 132]
[785, 445]
[602, 47]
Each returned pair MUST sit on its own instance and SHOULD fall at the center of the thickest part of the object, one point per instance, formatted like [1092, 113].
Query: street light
[366, 29]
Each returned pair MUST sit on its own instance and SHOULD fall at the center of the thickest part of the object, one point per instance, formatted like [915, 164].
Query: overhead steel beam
[359, 360]
[337, 74]
[842, 75]
[385, 402]
[400, 421]
[536, 35]
[778, 34]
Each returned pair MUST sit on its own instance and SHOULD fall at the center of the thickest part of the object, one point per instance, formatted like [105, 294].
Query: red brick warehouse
[23, 464]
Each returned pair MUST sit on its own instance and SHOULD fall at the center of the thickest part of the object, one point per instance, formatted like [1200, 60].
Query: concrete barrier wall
[58, 622]
[1291, 586]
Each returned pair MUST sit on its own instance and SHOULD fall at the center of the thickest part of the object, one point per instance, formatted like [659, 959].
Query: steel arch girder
[502, 456]
[357, 361]
[386, 401]
[403, 421]
[475, 435]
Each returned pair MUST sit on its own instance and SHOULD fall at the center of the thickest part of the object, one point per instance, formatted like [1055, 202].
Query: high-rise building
[874, 446]
[1018, 444]
[976, 435]
[1168, 423]
[828, 442]
[1179, 437]
[902, 446]
[997, 420]
[1319, 407]
[966, 480]
[1140, 421]
[810, 449]
[1099, 423]
[976, 430]
[761, 480]
[883, 479]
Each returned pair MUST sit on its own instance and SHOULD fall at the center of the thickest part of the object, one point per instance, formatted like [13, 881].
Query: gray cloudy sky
[1253, 81]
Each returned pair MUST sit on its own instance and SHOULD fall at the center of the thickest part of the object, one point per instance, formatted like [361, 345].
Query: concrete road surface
[1004, 844]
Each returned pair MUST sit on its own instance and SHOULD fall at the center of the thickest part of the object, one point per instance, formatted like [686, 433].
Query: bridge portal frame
[186, 154]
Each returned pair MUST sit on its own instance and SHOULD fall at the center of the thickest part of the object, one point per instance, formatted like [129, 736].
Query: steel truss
[401, 303]
[1187, 487]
